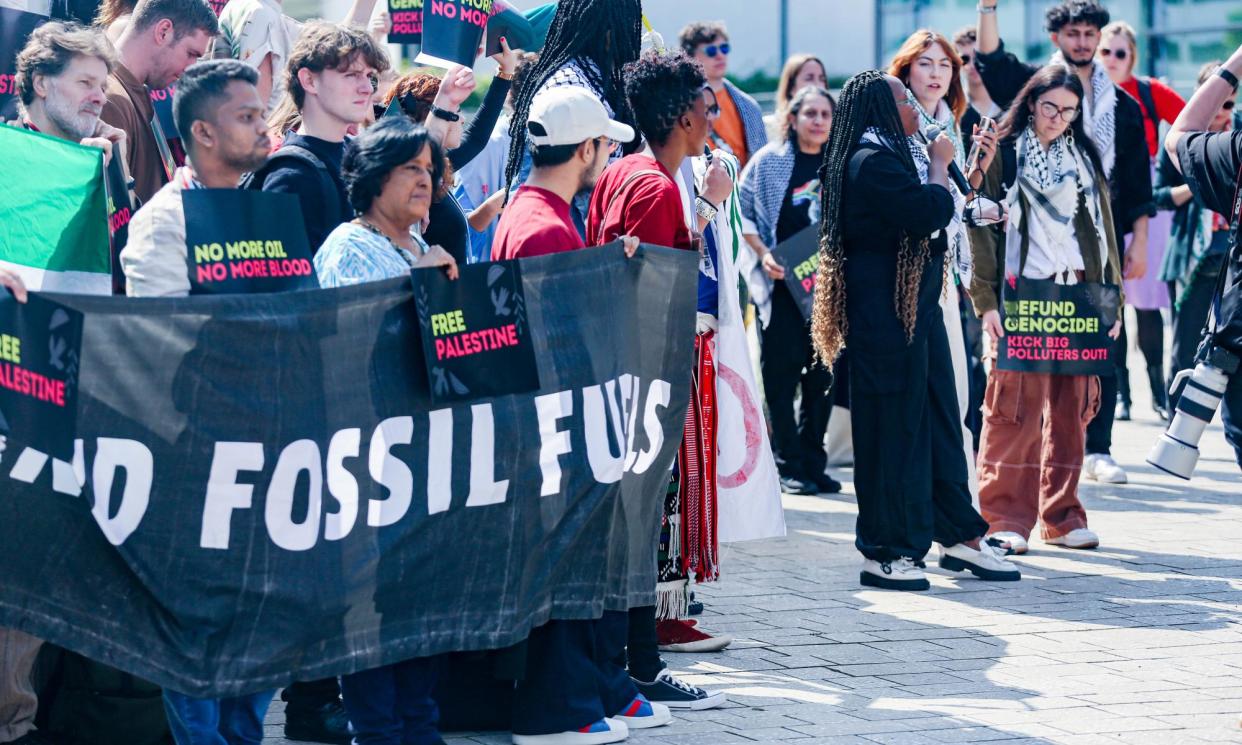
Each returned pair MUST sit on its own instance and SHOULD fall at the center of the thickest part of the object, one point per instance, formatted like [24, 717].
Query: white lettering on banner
[391, 472]
[341, 483]
[484, 490]
[302, 471]
[297, 457]
[629, 403]
[224, 494]
[606, 467]
[658, 397]
[552, 407]
[139, 465]
[440, 461]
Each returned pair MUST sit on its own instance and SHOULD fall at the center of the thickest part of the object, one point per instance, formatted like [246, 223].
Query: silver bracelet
[985, 10]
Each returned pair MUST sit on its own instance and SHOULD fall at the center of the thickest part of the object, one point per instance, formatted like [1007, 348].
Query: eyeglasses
[1120, 54]
[1052, 111]
[711, 50]
[604, 143]
[712, 108]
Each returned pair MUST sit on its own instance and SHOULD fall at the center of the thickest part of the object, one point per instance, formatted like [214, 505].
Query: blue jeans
[216, 721]
[392, 705]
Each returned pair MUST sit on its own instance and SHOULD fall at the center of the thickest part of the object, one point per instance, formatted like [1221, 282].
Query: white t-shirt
[253, 29]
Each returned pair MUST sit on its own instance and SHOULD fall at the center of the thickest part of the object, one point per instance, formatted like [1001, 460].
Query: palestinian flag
[54, 233]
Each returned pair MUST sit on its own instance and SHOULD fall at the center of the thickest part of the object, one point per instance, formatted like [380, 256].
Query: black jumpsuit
[909, 471]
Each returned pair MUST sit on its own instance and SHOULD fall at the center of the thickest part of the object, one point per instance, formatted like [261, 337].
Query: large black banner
[269, 494]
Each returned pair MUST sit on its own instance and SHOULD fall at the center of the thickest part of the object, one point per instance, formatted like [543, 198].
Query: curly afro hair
[660, 88]
[1075, 11]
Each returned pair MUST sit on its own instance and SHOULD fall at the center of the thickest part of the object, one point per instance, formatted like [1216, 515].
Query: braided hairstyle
[866, 102]
[605, 32]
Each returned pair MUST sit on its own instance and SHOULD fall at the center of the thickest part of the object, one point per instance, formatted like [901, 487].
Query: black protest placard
[452, 31]
[239, 241]
[15, 28]
[120, 212]
[509, 24]
[799, 256]
[40, 345]
[1057, 329]
[407, 21]
[266, 479]
[476, 339]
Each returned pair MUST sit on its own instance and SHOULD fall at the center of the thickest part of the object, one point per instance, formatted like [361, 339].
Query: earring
[1069, 137]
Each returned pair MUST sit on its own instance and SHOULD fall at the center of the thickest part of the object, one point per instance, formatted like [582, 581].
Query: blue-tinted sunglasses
[711, 50]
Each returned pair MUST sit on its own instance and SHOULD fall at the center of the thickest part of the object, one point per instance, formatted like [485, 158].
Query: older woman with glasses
[391, 171]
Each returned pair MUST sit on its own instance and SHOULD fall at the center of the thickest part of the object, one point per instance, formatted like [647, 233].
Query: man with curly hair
[1114, 122]
[639, 196]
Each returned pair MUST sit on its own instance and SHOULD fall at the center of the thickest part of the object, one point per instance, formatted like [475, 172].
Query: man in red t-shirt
[637, 195]
[570, 136]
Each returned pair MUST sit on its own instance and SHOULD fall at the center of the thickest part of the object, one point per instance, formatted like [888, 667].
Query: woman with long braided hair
[589, 43]
[881, 272]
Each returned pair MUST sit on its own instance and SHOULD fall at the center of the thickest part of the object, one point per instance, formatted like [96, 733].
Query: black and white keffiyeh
[1049, 184]
[1099, 112]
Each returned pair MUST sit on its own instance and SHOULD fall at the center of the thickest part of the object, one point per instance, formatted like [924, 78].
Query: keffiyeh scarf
[1049, 184]
[1099, 112]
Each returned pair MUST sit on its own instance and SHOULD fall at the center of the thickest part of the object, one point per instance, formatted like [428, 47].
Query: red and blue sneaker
[643, 714]
[604, 731]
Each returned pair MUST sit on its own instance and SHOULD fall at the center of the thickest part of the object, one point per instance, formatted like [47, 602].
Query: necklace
[403, 253]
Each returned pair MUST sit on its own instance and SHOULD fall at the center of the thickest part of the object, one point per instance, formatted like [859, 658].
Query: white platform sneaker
[1077, 538]
[900, 574]
[987, 563]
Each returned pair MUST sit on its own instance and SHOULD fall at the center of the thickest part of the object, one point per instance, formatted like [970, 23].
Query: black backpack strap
[1149, 103]
[328, 181]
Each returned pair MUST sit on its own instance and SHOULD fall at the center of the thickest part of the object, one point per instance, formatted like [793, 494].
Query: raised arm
[1203, 105]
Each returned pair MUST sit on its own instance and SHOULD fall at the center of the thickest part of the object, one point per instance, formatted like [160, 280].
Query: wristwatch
[445, 114]
[985, 9]
[704, 209]
[1227, 76]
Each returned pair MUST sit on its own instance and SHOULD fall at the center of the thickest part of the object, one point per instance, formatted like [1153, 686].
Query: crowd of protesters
[593, 140]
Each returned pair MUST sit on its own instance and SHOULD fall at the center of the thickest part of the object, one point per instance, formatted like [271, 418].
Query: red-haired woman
[931, 69]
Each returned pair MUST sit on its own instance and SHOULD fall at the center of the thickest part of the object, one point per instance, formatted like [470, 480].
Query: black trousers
[909, 468]
[1150, 343]
[787, 362]
[642, 653]
[572, 676]
[1191, 314]
[311, 694]
[1100, 430]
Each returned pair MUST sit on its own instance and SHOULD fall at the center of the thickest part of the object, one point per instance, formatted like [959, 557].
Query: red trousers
[1030, 456]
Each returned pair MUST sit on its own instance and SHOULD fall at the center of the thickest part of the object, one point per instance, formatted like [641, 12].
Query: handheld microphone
[931, 132]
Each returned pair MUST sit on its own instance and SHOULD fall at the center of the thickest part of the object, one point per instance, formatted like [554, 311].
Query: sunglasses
[1120, 54]
[965, 60]
[1228, 105]
[712, 108]
[711, 50]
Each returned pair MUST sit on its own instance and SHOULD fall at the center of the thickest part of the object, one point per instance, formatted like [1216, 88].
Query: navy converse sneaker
[676, 694]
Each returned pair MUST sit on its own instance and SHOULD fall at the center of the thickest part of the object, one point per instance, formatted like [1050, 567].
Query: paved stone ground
[1137, 642]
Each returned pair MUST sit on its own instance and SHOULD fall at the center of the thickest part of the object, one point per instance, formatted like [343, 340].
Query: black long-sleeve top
[882, 199]
[447, 226]
[1129, 184]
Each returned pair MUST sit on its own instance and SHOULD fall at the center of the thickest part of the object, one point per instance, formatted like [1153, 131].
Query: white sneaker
[604, 731]
[1017, 544]
[1104, 469]
[644, 714]
[902, 574]
[1076, 538]
[987, 563]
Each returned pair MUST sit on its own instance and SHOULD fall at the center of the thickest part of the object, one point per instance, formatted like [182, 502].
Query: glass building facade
[1176, 37]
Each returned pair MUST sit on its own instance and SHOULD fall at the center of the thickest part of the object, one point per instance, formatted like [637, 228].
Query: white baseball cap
[570, 115]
